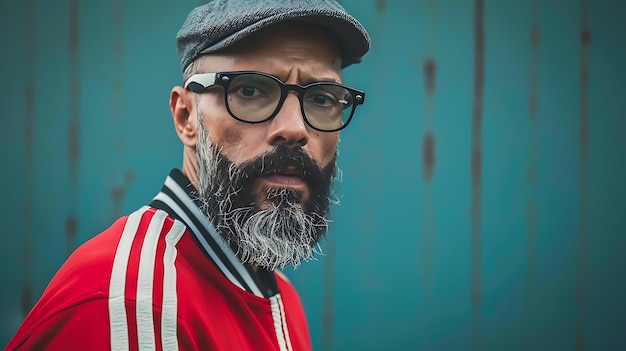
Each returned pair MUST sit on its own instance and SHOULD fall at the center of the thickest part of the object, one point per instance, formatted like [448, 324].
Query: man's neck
[190, 167]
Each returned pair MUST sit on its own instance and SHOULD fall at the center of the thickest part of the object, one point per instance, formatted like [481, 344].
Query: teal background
[537, 263]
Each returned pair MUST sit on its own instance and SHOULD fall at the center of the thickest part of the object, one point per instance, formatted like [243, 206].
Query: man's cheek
[329, 148]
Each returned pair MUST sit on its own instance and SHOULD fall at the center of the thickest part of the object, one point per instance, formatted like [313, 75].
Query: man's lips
[288, 178]
[282, 180]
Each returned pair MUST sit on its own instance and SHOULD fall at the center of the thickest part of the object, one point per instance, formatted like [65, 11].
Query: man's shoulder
[102, 270]
[89, 268]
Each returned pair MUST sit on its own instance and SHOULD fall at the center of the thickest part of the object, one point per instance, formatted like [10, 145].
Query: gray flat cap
[221, 23]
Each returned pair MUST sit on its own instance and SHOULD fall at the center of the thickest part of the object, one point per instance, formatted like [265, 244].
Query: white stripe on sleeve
[169, 336]
[145, 280]
[117, 309]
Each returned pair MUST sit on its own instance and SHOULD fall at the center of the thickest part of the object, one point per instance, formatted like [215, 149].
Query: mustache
[281, 158]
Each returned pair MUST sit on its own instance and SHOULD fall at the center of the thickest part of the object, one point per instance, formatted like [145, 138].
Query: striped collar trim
[179, 198]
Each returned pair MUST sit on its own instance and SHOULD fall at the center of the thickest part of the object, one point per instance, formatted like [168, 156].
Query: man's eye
[249, 91]
[323, 100]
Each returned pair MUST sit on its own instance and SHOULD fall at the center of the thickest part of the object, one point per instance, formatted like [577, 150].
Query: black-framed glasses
[256, 97]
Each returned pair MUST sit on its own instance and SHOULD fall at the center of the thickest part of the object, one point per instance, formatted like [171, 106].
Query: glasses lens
[253, 97]
[328, 106]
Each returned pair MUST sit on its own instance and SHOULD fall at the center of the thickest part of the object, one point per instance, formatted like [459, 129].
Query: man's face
[266, 185]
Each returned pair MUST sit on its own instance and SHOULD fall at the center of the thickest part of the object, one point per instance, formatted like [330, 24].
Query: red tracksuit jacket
[162, 279]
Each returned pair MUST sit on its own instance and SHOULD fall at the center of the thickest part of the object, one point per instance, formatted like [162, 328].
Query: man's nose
[288, 127]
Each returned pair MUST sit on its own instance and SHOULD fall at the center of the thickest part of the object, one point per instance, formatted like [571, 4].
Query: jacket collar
[179, 198]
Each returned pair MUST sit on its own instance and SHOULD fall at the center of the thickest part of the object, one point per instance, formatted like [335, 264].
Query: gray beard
[284, 233]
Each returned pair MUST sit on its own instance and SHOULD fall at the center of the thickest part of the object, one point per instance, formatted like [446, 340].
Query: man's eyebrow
[311, 80]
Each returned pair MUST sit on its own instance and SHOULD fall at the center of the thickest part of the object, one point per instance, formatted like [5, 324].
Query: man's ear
[181, 106]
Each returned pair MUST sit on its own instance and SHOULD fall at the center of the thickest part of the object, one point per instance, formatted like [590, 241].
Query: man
[259, 117]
